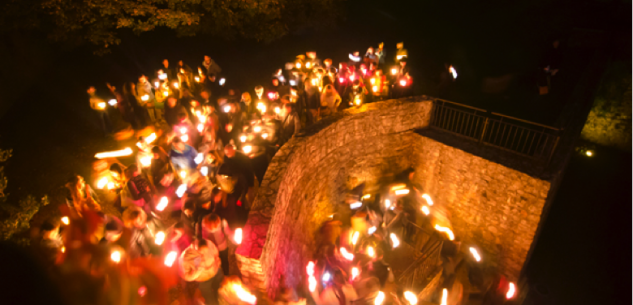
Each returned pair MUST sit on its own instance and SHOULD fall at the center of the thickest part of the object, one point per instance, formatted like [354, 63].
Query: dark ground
[583, 255]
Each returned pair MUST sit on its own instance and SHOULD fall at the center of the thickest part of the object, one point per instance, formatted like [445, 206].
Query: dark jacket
[171, 114]
[290, 126]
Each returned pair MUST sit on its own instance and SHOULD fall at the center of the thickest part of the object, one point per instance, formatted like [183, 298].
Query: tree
[18, 218]
[100, 21]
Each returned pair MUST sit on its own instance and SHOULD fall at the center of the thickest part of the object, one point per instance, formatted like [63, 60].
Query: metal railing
[515, 135]
[427, 248]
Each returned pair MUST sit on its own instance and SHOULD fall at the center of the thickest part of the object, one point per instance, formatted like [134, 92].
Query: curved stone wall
[490, 205]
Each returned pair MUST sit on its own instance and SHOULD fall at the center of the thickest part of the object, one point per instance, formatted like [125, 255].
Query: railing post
[551, 154]
[483, 130]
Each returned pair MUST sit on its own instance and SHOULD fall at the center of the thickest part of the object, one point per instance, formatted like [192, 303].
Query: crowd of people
[180, 205]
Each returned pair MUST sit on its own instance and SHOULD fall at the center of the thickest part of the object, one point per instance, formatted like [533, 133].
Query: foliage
[100, 21]
[19, 217]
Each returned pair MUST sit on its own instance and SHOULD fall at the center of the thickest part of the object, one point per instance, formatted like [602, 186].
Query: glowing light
[308, 65]
[395, 242]
[184, 138]
[65, 220]
[312, 283]
[162, 203]
[156, 84]
[379, 298]
[115, 256]
[367, 196]
[293, 82]
[355, 273]
[426, 210]
[410, 296]
[101, 105]
[370, 251]
[399, 57]
[374, 88]
[183, 174]
[351, 77]
[151, 138]
[237, 237]
[102, 183]
[387, 203]
[142, 291]
[242, 138]
[200, 127]
[247, 149]
[110, 186]
[170, 258]
[372, 80]
[354, 58]
[197, 78]
[341, 80]
[371, 230]
[394, 71]
[204, 171]
[261, 107]
[355, 237]
[403, 82]
[314, 81]
[199, 158]
[348, 256]
[277, 110]
[446, 230]
[589, 153]
[162, 76]
[112, 102]
[298, 65]
[402, 192]
[63, 249]
[453, 72]
[357, 101]
[326, 277]
[243, 294]
[159, 238]
[222, 81]
[355, 205]
[511, 291]
[264, 136]
[176, 85]
[444, 297]
[257, 129]
[475, 254]
[428, 199]
[183, 130]
[310, 268]
[271, 95]
[227, 108]
[181, 190]
[165, 93]
[146, 161]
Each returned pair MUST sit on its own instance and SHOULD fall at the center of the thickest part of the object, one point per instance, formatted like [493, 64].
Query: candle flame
[102, 183]
[403, 82]
[204, 171]
[264, 136]
[312, 283]
[222, 81]
[310, 268]
[374, 88]
[511, 291]
[411, 297]
[372, 80]
[183, 174]
[257, 129]
[170, 258]
[387, 203]
[395, 242]
[112, 102]
[247, 149]
[237, 237]
[402, 192]
[475, 254]
[146, 161]
[66, 220]
[145, 97]
[242, 138]
[115, 256]
[176, 85]
[113, 154]
[151, 138]
[355, 273]
[428, 199]
[181, 190]
[63, 249]
[200, 127]
[197, 78]
[444, 297]
[446, 230]
[379, 298]
[370, 251]
[355, 236]
[184, 138]
[371, 230]
[227, 108]
[367, 196]
[348, 256]
[394, 71]
[355, 205]
[426, 210]
[199, 158]
[159, 238]
[162, 203]
[453, 72]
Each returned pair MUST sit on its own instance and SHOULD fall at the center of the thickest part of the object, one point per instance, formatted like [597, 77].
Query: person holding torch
[99, 106]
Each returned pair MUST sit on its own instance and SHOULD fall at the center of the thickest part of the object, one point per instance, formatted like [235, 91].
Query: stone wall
[489, 205]
[310, 174]
[492, 206]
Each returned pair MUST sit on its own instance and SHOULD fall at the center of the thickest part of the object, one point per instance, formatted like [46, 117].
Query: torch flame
[371, 230]
[243, 294]
[511, 291]
[110, 186]
[394, 71]
[446, 230]
[183, 174]
[145, 97]
[162, 203]
[112, 102]
[237, 237]
[367, 196]
[394, 240]
[197, 78]
[341, 79]
[101, 105]
[403, 82]
[277, 110]
[227, 108]
[176, 85]
[410, 296]
[113, 154]
[151, 138]
[374, 88]
[170, 258]
[264, 136]
[257, 129]
[387, 203]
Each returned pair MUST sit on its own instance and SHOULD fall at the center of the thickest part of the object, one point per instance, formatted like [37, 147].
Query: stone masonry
[489, 205]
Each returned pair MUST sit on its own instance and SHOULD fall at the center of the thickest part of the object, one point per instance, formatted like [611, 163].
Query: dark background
[583, 255]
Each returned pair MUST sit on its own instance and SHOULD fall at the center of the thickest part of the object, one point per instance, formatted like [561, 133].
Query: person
[187, 217]
[229, 207]
[140, 239]
[171, 75]
[210, 66]
[357, 94]
[182, 155]
[51, 244]
[247, 106]
[124, 107]
[129, 95]
[172, 111]
[330, 100]
[291, 124]
[380, 53]
[184, 75]
[339, 293]
[550, 65]
[239, 165]
[216, 230]
[81, 195]
[380, 268]
[161, 171]
[113, 230]
[401, 52]
[146, 96]
[200, 263]
[99, 106]
[139, 188]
